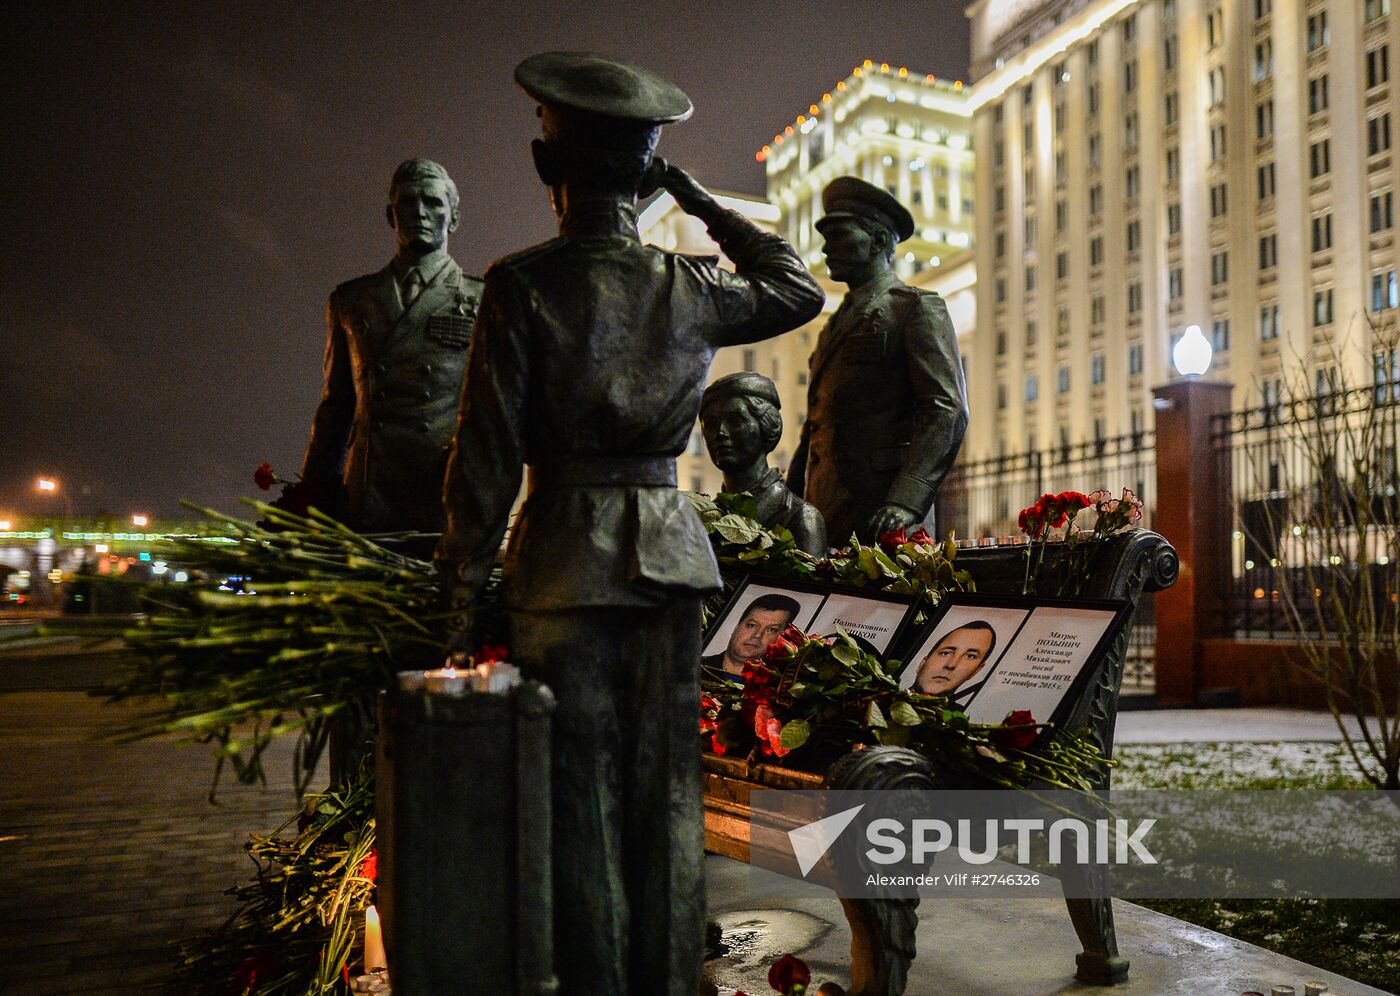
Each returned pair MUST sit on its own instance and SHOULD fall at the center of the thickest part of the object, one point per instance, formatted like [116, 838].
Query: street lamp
[47, 484]
[140, 520]
[5, 525]
[1192, 353]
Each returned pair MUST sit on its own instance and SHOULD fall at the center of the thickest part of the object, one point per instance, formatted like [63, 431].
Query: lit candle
[374, 941]
[447, 681]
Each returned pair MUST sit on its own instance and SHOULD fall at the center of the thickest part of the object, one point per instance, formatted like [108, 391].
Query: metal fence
[1314, 486]
[981, 499]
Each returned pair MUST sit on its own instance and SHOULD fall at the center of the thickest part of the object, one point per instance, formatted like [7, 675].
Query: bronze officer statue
[742, 420]
[886, 399]
[396, 349]
[588, 359]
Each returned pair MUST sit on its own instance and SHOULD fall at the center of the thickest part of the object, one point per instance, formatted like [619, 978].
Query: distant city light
[145, 558]
[4, 525]
[182, 576]
[101, 548]
[46, 484]
[140, 520]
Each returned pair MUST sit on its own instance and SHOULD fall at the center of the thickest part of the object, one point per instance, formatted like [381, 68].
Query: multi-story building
[1146, 165]
[906, 132]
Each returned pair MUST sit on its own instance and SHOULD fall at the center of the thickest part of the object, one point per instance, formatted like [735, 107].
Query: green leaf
[795, 734]
[846, 652]
[874, 716]
[904, 714]
[737, 529]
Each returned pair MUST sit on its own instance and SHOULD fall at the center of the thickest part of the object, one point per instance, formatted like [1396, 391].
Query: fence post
[1194, 513]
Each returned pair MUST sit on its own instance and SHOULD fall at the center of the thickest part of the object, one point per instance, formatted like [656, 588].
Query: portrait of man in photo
[958, 657]
[758, 625]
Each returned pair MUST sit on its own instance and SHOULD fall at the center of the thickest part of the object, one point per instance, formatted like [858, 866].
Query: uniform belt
[584, 471]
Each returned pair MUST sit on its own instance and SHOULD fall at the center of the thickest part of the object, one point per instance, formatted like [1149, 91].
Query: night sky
[185, 183]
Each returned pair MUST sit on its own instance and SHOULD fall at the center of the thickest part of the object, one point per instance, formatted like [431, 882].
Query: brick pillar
[1193, 512]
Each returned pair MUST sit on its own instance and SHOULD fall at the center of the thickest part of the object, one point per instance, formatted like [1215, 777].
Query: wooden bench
[882, 930]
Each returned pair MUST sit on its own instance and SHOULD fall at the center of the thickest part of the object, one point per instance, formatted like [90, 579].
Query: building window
[1264, 119]
[1318, 33]
[1173, 163]
[1386, 367]
[1001, 396]
[1382, 215]
[1265, 174]
[1001, 342]
[1091, 52]
[1385, 292]
[1095, 199]
[1268, 251]
[1134, 359]
[1000, 244]
[1027, 95]
[1263, 60]
[1377, 66]
[1216, 86]
[1174, 283]
[1322, 307]
[1062, 380]
[1130, 182]
[1134, 297]
[1130, 76]
[1322, 232]
[1030, 334]
[1030, 278]
[998, 153]
[1378, 134]
[1268, 322]
[1320, 158]
[1376, 9]
[1029, 231]
[1134, 235]
[1317, 94]
[1217, 143]
[1262, 8]
[1219, 268]
[1059, 117]
[1218, 201]
[1000, 294]
[1094, 143]
[1062, 323]
[1032, 388]
[1173, 219]
[1061, 215]
[1129, 28]
[1169, 53]
[1220, 335]
[750, 359]
[1096, 369]
[1097, 309]
[1096, 251]
[999, 198]
[1061, 173]
[1092, 95]
[1130, 122]
[1215, 28]
[1061, 266]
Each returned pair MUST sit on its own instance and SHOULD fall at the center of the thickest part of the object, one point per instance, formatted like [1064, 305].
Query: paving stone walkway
[110, 853]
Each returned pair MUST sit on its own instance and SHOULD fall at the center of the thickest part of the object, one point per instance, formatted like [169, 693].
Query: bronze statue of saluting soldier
[587, 363]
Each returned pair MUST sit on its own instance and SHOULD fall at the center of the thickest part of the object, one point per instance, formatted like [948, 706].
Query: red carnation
[264, 478]
[259, 966]
[298, 498]
[892, 540]
[789, 972]
[369, 868]
[1073, 500]
[780, 648]
[1019, 731]
[825, 568]
[920, 535]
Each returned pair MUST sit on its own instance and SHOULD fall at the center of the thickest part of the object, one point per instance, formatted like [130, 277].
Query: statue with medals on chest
[886, 398]
[396, 350]
[587, 363]
[741, 418]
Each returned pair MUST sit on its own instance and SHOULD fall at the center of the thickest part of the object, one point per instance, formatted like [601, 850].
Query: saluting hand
[661, 175]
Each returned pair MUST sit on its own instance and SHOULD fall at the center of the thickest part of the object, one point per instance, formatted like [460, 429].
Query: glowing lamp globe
[1191, 354]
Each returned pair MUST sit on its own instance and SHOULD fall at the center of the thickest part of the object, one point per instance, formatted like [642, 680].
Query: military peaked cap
[741, 385]
[585, 81]
[848, 196]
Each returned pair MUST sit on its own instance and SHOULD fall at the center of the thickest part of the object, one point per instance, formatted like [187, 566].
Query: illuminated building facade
[1146, 165]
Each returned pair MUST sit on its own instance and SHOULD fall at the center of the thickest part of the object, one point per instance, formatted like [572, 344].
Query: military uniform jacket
[587, 363]
[886, 407]
[388, 410]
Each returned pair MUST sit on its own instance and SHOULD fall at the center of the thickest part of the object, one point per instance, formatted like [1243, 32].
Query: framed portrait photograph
[992, 655]
[763, 607]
